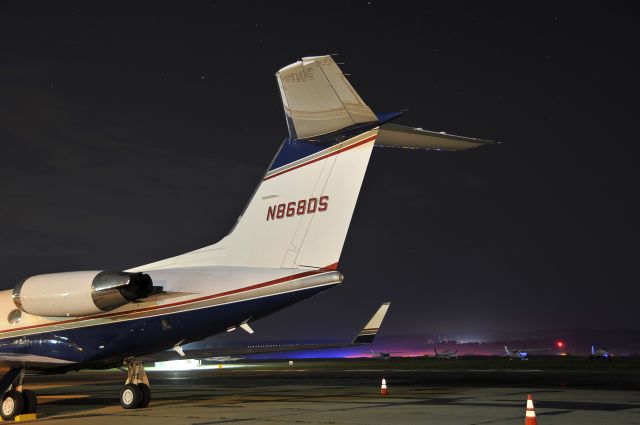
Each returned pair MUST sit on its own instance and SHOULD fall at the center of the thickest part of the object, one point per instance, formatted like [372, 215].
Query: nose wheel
[135, 394]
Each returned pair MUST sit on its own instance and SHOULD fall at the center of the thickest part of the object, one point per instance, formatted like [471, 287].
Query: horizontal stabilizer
[318, 99]
[400, 136]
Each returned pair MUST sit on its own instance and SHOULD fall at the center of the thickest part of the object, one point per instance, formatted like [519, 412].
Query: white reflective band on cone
[529, 404]
[531, 414]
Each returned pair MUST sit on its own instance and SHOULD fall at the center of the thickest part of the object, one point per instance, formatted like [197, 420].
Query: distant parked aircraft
[223, 359]
[380, 355]
[222, 354]
[385, 355]
[447, 354]
[520, 353]
[599, 354]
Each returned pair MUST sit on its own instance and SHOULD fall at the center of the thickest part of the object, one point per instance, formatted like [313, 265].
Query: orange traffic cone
[383, 387]
[530, 416]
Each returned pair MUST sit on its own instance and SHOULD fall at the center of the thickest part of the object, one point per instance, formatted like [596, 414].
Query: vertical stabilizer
[299, 215]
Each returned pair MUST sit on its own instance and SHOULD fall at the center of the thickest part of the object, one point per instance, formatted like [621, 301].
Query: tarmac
[314, 392]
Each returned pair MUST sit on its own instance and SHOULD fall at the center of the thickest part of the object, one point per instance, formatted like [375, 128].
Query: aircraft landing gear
[16, 401]
[135, 394]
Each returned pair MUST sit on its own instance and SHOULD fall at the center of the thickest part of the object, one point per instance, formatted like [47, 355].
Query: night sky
[128, 136]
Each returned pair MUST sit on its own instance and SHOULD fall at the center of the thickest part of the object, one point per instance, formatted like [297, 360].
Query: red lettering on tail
[301, 207]
[271, 214]
[324, 203]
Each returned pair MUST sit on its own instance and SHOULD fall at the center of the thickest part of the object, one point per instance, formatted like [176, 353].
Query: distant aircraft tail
[300, 212]
[369, 332]
[593, 350]
[506, 350]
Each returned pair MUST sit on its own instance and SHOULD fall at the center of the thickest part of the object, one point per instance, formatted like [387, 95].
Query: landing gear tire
[146, 395]
[131, 396]
[30, 401]
[12, 405]
[135, 394]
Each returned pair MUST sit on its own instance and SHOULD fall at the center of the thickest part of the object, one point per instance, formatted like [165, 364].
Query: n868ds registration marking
[301, 207]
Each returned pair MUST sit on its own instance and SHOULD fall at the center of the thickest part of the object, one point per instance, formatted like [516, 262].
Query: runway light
[560, 344]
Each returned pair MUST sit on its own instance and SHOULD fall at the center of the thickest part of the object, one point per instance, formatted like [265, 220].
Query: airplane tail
[506, 350]
[300, 212]
[593, 350]
[370, 330]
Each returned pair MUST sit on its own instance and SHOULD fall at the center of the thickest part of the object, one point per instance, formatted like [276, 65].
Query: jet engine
[80, 293]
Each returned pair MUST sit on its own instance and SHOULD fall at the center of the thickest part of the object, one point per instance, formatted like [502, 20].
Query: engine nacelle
[80, 293]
